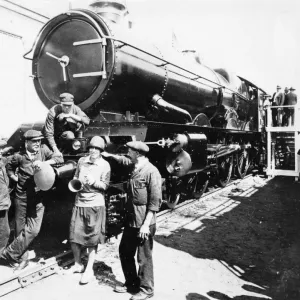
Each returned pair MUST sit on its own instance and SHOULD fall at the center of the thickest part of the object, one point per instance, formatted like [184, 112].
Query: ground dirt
[242, 244]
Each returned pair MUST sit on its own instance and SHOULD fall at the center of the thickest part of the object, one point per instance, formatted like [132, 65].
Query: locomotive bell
[44, 177]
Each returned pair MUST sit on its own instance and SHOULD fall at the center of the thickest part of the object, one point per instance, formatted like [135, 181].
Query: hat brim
[91, 146]
[135, 149]
[38, 138]
[3, 144]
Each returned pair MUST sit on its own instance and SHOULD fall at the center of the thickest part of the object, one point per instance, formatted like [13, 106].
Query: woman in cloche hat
[87, 228]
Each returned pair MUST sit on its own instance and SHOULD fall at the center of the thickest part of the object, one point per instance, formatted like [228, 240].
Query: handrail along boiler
[198, 122]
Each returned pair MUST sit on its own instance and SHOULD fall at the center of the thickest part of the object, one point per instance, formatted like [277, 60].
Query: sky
[256, 39]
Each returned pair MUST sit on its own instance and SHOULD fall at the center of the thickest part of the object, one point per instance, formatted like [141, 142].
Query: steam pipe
[172, 110]
[67, 170]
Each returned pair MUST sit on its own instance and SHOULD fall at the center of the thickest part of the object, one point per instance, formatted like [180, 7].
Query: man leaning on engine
[144, 198]
[29, 208]
[63, 121]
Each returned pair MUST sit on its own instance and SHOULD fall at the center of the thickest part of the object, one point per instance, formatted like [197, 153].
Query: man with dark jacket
[291, 99]
[29, 208]
[144, 198]
[278, 100]
[63, 120]
[285, 109]
[4, 201]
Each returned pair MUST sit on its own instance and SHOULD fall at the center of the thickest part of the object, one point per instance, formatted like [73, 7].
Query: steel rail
[161, 216]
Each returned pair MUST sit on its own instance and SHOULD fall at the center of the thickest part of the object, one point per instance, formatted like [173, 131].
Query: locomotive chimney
[114, 11]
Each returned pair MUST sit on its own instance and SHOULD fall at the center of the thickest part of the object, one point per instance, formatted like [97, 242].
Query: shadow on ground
[195, 296]
[104, 274]
[258, 241]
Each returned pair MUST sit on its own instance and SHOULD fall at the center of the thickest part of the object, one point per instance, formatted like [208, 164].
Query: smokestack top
[113, 10]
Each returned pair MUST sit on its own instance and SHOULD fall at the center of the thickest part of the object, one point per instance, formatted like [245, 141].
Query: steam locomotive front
[72, 54]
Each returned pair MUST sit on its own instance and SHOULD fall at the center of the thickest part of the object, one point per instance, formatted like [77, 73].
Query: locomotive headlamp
[76, 145]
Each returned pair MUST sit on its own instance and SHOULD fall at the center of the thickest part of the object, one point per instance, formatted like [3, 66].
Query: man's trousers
[29, 217]
[4, 229]
[131, 243]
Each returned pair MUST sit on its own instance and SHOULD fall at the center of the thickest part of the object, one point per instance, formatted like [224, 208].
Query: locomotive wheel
[224, 170]
[173, 200]
[243, 163]
[200, 185]
[173, 192]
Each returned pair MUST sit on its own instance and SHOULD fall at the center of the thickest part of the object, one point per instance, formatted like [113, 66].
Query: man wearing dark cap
[63, 120]
[4, 200]
[278, 100]
[291, 99]
[285, 109]
[143, 201]
[29, 209]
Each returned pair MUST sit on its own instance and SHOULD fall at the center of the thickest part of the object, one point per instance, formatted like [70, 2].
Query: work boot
[141, 296]
[126, 289]
[6, 260]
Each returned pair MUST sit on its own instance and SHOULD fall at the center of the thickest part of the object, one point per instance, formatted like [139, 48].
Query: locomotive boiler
[199, 123]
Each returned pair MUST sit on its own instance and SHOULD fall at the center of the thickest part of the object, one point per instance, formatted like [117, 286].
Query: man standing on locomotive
[291, 99]
[144, 198]
[278, 101]
[87, 228]
[29, 208]
[63, 120]
[4, 200]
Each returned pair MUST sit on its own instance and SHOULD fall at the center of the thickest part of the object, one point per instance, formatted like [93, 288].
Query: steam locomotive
[200, 124]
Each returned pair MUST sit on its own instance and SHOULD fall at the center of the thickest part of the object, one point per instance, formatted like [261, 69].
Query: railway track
[163, 215]
[55, 264]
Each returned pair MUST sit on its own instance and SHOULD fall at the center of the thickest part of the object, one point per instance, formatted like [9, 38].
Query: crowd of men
[284, 115]
[87, 224]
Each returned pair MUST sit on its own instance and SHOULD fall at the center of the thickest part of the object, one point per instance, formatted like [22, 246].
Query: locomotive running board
[41, 270]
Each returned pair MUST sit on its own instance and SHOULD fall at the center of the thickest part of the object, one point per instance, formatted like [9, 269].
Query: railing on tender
[282, 116]
[282, 122]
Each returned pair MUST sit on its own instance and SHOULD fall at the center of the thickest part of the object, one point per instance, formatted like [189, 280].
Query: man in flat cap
[144, 198]
[278, 100]
[29, 208]
[4, 200]
[291, 99]
[285, 109]
[63, 120]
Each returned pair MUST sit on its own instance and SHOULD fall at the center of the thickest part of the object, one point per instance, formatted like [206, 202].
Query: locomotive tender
[199, 123]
